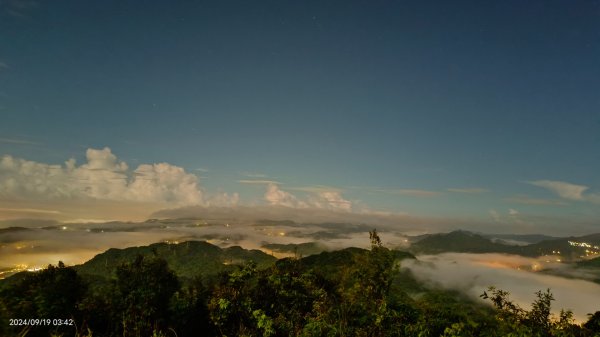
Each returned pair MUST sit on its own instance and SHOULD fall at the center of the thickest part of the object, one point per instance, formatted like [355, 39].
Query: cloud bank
[473, 273]
[102, 177]
[320, 199]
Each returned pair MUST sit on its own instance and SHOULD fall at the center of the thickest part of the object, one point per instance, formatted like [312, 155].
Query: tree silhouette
[146, 287]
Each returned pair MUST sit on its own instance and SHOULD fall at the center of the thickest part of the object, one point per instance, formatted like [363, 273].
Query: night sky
[479, 110]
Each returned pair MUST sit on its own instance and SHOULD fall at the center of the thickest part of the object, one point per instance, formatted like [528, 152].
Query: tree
[291, 296]
[231, 304]
[364, 309]
[593, 323]
[190, 311]
[539, 321]
[146, 287]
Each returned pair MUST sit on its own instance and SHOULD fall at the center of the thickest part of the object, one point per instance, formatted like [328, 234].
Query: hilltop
[571, 248]
[186, 259]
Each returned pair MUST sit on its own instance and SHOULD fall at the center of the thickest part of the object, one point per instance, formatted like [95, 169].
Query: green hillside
[459, 242]
[186, 259]
[466, 242]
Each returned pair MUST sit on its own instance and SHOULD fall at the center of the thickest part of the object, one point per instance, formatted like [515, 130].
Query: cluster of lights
[583, 244]
[270, 232]
[590, 250]
[18, 268]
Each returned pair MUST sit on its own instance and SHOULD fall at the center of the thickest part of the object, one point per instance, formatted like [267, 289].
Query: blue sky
[481, 110]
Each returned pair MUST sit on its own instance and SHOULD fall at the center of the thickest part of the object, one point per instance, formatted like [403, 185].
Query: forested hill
[467, 242]
[187, 259]
[192, 258]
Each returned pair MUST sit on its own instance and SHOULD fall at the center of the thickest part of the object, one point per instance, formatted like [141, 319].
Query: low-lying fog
[473, 273]
[77, 243]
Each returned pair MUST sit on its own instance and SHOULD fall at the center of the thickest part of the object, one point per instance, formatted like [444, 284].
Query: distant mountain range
[572, 248]
[518, 239]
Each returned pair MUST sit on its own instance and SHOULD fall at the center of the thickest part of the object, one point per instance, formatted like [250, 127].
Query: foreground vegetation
[352, 292]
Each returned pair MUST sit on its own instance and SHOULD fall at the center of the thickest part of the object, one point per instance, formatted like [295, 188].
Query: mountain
[14, 230]
[186, 259]
[572, 248]
[331, 264]
[457, 241]
[518, 239]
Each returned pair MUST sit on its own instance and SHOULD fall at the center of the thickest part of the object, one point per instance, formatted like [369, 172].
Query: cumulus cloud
[165, 182]
[320, 198]
[102, 177]
[331, 200]
[277, 197]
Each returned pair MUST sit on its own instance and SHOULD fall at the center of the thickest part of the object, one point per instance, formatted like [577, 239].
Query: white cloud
[563, 189]
[165, 182]
[223, 200]
[322, 199]
[473, 273]
[331, 200]
[567, 190]
[103, 177]
[278, 197]
[512, 212]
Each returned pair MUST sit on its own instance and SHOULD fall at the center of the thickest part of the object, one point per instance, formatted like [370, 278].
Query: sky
[479, 113]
